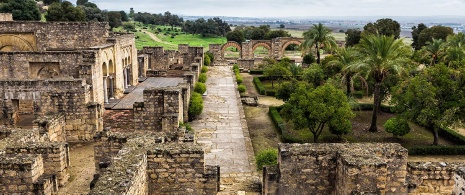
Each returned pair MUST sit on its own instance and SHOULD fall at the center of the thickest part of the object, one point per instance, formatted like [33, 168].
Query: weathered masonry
[72, 68]
[365, 168]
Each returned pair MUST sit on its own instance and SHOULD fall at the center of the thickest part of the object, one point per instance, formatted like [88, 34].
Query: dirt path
[263, 133]
[155, 38]
[81, 171]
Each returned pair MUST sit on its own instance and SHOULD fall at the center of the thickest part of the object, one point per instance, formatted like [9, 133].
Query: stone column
[112, 87]
[105, 92]
[125, 73]
[129, 75]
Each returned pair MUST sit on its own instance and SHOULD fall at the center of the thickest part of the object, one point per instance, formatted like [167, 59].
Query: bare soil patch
[81, 170]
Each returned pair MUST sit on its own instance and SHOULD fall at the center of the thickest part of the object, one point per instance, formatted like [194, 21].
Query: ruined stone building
[64, 67]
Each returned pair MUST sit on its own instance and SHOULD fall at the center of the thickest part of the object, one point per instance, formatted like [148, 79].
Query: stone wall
[53, 125]
[143, 60]
[215, 49]
[161, 110]
[246, 64]
[59, 35]
[432, 178]
[6, 17]
[459, 187]
[175, 168]
[160, 59]
[70, 97]
[337, 169]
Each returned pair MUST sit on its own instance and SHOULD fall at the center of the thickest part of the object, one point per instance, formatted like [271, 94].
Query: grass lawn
[418, 136]
[268, 86]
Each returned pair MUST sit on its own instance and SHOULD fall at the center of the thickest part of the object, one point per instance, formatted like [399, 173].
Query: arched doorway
[231, 50]
[261, 50]
[292, 50]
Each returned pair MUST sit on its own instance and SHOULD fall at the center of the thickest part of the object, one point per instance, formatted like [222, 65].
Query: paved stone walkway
[222, 129]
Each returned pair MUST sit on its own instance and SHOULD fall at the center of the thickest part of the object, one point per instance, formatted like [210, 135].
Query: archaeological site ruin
[64, 83]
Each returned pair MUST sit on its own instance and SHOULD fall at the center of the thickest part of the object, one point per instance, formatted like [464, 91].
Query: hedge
[203, 78]
[200, 88]
[271, 93]
[259, 86]
[256, 72]
[437, 150]
[279, 122]
[452, 136]
[241, 88]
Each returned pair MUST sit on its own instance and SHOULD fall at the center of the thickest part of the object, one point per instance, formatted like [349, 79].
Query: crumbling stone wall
[246, 64]
[432, 178]
[53, 125]
[59, 35]
[175, 168]
[70, 97]
[459, 177]
[6, 17]
[160, 59]
[337, 169]
[161, 110]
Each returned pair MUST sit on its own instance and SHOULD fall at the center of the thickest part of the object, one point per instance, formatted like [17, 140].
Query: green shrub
[210, 55]
[239, 79]
[241, 88]
[397, 126]
[200, 88]
[187, 125]
[258, 84]
[206, 60]
[236, 67]
[452, 136]
[203, 78]
[236, 71]
[204, 69]
[437, 150]
[271, 93]
[266, 157]
[256, 71]
[309, 59]
[195, 105]
[358, 94]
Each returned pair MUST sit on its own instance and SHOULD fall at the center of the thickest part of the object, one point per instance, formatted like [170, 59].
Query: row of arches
[109, 74]
[260, 50]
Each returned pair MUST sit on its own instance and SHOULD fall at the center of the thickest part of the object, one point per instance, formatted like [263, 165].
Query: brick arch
[265, 45]
[14, 43]
[231, 44]
[286, 44]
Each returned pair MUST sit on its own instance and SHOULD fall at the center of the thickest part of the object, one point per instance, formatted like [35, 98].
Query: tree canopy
[65, 12]
[384, 26]
[353, 37]
[21, 9]
[316, 36]
[313, 109]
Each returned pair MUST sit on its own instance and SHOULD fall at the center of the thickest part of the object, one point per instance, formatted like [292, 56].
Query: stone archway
[260, 44]
[231, 44]
[10, 43]
[286, 44]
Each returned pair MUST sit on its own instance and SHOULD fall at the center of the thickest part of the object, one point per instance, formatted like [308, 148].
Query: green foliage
[235, 67]
[312, 109]
[65, 12]
[266, 157]
[124, 16]
[314, 74]
[416, 33]
[195, 105]
[129, 26]
[241, 88]
[285, 90]
[114, 19]
[353, 37]
[187, 125]
[358, 94]
[239, 78]
[278, 71]
[452, 136]
[276, 33]
[49, 2]
[210, 55]
[385, 26]
[21, 9]
[206, 60]
[435, 150]
[235, 35]
[200, 88]
[93, 13]
[309, 59]
[397, 126]
[435, 32]
[433, 98]
[203, 78]
[317, 36]
[255, 71]
[204, 69]
[81, 2]
[210, 27]
[259, 86]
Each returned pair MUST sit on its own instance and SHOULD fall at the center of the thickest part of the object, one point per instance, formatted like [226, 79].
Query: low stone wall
[119, 120]
[53, 125]
[432, 178]
[246, 64]
[337, 169]
[459, 187]
[55, 157]
[175, 168]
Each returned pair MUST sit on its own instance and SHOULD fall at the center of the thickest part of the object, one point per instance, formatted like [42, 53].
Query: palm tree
[318, 36]
[434, 49]
[380, 54]
[347, 58]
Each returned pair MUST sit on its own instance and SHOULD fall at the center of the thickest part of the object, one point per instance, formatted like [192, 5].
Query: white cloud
[271, 8]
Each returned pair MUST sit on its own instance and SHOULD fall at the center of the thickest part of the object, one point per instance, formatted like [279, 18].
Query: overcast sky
[289, 8]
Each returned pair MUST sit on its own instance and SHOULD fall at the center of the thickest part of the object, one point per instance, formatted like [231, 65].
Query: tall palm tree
[434, 49]
[318, 36]
[346, 58]
[380, 54]
[457, 40]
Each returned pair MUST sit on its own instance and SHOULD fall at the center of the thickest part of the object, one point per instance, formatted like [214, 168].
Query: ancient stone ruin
[68, 82]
